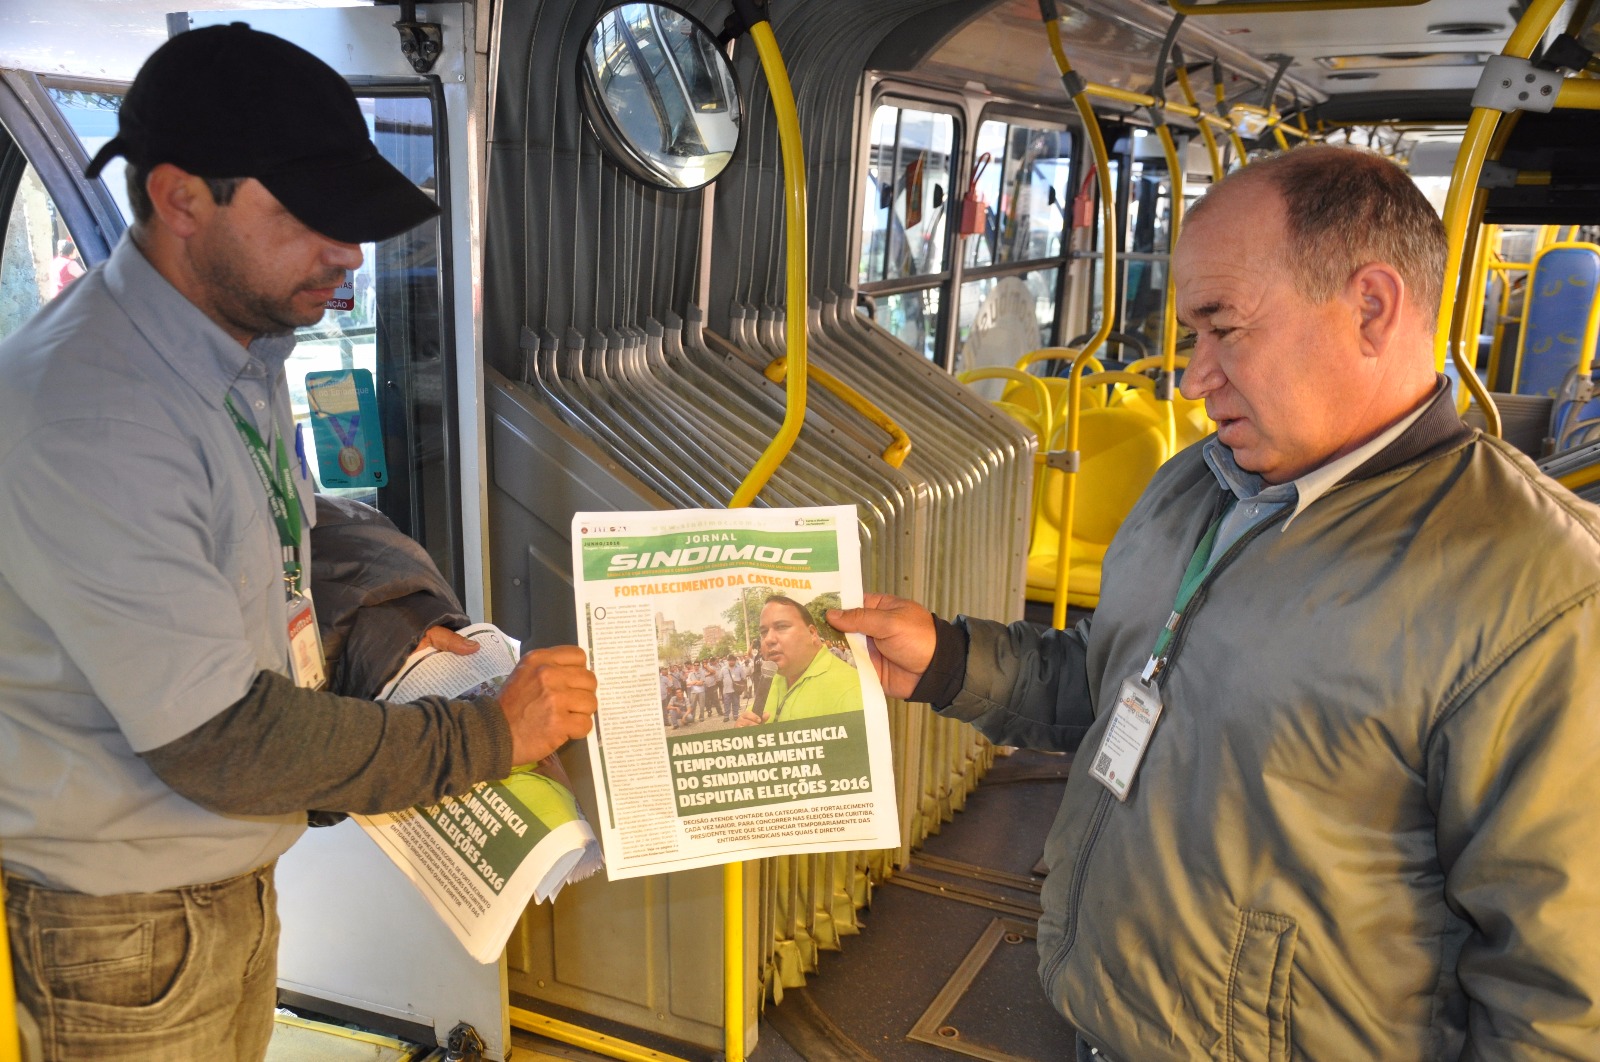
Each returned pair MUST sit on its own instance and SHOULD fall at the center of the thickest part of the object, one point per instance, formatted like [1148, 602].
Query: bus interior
[922, 243]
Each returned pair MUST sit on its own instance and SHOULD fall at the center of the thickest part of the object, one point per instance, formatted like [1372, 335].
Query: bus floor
[944, 967]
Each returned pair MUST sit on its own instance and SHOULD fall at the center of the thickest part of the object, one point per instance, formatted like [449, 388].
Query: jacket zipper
[1103, 804]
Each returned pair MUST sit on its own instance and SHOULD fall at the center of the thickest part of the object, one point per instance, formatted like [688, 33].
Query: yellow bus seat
[1189, 416]
[1121, 449]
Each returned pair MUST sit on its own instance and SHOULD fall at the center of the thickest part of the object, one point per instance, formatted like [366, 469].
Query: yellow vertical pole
[1108, 218]
[1169, 318]
[10, 1038]
[1458, 207]
[794, 188]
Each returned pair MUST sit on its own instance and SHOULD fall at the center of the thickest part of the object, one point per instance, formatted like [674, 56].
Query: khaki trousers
[183, 975]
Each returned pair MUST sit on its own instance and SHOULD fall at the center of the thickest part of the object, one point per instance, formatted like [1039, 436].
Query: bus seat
[1190, 415]
[1562, 319]
[1121, 449]
[1575, 421]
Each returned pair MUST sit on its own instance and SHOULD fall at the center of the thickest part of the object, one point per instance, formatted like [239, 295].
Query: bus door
[357, 939]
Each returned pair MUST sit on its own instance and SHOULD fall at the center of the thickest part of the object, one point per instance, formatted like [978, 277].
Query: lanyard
[280, 488]
[1200, 565]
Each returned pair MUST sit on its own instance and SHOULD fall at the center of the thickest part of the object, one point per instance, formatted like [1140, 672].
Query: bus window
[38, 258]
[1012, 281]
[905, 241]
[92, 116]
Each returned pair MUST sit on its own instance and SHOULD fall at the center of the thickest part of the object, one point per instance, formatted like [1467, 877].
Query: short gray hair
[1346, 207]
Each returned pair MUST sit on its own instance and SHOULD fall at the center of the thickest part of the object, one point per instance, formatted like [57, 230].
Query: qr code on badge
[1103, 764]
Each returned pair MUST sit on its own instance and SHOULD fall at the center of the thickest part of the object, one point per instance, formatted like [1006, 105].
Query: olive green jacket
[1367, 825]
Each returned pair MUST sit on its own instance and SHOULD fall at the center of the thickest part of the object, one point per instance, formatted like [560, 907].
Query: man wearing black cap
[161, 731]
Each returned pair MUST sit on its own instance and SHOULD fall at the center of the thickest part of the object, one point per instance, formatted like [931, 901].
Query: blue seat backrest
[1561, 301]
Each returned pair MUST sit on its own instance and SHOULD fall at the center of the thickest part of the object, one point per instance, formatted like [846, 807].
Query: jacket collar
[1438, 429]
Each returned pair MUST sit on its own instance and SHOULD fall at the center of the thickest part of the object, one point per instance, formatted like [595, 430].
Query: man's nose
[1203, 374]
[343, 255]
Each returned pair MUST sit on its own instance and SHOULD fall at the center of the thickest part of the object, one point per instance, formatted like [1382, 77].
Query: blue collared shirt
[1256, 500]
[141, 579]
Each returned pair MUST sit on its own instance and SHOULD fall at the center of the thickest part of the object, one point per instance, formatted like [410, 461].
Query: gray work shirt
[141, 579]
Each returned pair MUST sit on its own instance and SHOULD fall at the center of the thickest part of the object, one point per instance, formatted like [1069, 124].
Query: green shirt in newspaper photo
[810, 679]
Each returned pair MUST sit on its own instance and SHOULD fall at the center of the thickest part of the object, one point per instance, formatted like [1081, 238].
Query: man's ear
[1378, 293]
[180, 199]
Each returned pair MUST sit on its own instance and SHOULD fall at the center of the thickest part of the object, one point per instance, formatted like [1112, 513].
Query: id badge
[1133, 720]
[305, 644]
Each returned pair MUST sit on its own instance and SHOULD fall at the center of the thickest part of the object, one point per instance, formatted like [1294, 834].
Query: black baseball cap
[230, 101]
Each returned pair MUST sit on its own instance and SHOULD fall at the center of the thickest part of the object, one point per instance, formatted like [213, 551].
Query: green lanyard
[280, 490]
[1199, 565]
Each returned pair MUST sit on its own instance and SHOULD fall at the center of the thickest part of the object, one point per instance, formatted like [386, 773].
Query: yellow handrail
[794, 189]
[1108, 201]
[1223, 110]
[1033, 357]
[10, 1038]
[1459, 203]
[1205, 127]
[1005, 372]
[899, 442]
[794, 193]
[1169, 312]
[1580, 478]
[588, 1039]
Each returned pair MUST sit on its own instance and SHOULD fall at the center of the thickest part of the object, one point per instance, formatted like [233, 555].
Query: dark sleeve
[281, 749]
[947, 670]
[1024, 685]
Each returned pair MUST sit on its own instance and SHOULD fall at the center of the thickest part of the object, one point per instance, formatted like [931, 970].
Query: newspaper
[480, 858]
[734, 722]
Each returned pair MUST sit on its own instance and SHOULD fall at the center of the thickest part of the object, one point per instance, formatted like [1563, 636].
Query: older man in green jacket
[1340, 777]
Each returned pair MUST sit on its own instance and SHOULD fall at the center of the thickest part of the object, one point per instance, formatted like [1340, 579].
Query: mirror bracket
[745, 13]
[420, 42]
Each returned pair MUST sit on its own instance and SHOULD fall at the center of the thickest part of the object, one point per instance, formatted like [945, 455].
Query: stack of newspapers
[480, 858]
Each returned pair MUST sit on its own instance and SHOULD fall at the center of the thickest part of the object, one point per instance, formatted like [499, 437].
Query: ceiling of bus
[1413, 54]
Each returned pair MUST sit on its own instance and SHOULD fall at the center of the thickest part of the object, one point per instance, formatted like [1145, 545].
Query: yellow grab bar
[1579, 94]
[1223, 111]
[1458, 207]
[10, 1038]
[1069, 489]
[794, 414]
[1004, 372]
[1205, 127]
[900, 443]
[1075, 87]
[1053, 354]
[1580, 478]
[589, 1040]
[794, 195]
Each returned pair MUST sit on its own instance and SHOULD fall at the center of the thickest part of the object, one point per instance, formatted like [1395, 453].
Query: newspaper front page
[480, 858]
[734, 722]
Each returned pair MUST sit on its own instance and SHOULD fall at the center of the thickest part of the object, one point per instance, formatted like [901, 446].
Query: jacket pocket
[1259, 982]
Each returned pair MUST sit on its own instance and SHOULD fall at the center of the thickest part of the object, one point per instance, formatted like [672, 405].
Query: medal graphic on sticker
[344, 424]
